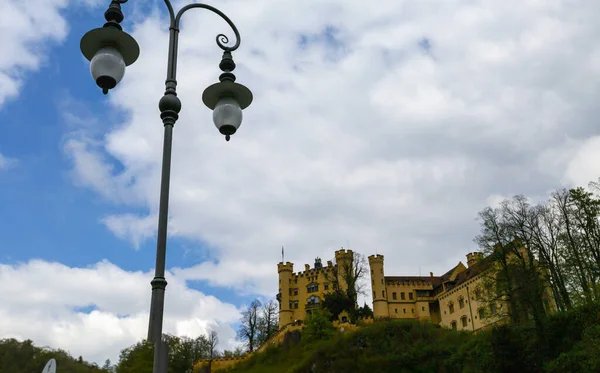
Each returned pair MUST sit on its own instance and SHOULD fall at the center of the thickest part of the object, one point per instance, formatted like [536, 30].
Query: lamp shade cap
[102, 37]
[214, 93]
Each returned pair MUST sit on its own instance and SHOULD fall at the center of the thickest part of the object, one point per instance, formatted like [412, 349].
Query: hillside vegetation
[24, 357]
[571, 344]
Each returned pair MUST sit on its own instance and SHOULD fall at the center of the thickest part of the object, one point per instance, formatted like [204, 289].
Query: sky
[383, 129]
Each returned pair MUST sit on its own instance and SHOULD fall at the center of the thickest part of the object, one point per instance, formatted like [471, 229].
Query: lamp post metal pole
[109, 50]
[170, 106]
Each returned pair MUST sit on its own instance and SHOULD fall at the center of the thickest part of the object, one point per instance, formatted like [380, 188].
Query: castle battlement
[312, 271]
[287, 267]
[376, 258]
[342, 253]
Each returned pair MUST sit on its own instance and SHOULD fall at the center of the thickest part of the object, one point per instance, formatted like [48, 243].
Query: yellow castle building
[452, 300]
[302, 292]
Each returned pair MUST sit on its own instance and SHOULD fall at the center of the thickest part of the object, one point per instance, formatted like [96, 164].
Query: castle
[452, 300]
[302, 292]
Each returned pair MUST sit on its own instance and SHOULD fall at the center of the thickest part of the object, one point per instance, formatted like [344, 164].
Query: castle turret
[380, 304]
[344, 260]
[473, 258]
[285, 275]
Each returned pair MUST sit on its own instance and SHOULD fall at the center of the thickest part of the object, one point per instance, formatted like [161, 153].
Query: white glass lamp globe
[227, 116]
[107, 68]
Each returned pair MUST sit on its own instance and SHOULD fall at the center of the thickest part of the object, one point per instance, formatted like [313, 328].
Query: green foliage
[319, 325]
[24, 357]
[138, 358]
[410, 346]
[337, 302]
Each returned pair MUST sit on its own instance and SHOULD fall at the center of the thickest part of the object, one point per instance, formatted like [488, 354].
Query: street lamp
[110, 50]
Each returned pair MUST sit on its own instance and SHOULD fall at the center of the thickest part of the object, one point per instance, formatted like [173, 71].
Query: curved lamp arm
[175, 21]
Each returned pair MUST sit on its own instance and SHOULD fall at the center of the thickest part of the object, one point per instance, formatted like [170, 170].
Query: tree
[318, 325]
[138, 358]
[268, 322]
[213, 341]
[107, 366]
[515, 277]
[200, 348]
[238, 352]
[346, 280]
[337, 302]
[349, 273]
[365, 311]
[249, 328]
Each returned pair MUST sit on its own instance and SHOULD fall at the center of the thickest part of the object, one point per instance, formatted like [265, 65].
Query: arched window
[481, 313]
[313, 299]
[312, 288]
[461, 302]
[463, 321]
[451, 307]
[453, 325]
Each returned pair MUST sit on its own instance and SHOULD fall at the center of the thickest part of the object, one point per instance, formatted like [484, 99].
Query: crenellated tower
[344, 260]
[285, 276]
[380, 303]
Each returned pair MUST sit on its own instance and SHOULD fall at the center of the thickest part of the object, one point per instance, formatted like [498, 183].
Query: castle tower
[473, 258]
[380, 304]
[285, 276]
[344, 260]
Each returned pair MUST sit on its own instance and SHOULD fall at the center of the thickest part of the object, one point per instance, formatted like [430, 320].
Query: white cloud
[367, 138]
[27, 30]
[44, 303]
[584, 166]
[6, 162]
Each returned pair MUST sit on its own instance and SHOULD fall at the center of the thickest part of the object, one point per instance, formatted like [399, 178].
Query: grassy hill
[24, 357]
[571, 344]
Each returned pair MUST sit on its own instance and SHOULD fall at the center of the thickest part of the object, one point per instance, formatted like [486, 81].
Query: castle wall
[302, 292]
[474, 310]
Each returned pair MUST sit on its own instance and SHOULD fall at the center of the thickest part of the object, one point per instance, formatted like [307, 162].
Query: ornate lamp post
[110, 50]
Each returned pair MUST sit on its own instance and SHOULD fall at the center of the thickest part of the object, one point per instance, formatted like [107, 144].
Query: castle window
[295, 291]
[313, 299]
[373, 282]
[453, 325]
[373, 294]
[412, 310]
[383, 293]
[404, 310]
[312, 288]
[372, 273]
[296, 304]
[481, 313]
[461, 302]
[291, 304]
[396, 310]
[394, 297]
[463, 320]
[410, 296]
[451, 308]
[422, 308]
[326, 286]
[402, 296]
